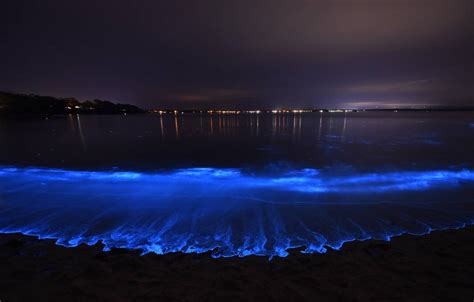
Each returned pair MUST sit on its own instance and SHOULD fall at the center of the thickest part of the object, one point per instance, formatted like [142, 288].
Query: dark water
[146, 142]
[236, 184]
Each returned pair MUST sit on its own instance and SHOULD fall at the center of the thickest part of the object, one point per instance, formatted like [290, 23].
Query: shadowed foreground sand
[437, 267]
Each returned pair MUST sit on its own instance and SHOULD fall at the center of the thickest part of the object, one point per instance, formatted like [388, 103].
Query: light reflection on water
[361, 140]
[276, 180]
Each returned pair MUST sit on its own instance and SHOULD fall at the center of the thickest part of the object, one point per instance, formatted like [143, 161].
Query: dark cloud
[241, 53]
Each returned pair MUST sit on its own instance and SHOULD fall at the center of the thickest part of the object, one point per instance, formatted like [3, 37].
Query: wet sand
[435, 267]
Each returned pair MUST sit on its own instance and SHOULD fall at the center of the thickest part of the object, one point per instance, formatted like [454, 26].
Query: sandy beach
[435, 267]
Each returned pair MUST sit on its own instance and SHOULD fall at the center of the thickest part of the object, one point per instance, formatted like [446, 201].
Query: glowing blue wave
[230, 212]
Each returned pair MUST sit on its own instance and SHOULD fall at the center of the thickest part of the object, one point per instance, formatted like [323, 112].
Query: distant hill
[30, 104]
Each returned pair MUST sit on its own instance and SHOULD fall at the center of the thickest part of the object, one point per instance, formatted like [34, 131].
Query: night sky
[242, 54]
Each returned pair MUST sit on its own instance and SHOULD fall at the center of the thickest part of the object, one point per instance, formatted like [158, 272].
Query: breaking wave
[230, 212]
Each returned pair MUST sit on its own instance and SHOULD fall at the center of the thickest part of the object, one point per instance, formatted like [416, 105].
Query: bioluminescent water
[228, 211]
[270, 182]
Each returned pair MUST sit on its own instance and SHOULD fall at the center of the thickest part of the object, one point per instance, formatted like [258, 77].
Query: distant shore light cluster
[273, 111]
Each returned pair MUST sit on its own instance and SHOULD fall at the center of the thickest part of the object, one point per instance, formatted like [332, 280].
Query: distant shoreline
[14, 104]
[203, 112]
[31, 105]
[299, 111]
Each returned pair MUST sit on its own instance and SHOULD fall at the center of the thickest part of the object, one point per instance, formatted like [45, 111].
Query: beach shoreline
[434, 267]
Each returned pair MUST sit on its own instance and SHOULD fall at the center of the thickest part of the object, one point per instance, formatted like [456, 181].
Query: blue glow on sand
[229, 212]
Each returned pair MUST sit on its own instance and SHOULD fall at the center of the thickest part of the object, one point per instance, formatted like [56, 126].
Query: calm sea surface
[236, 184]
[147, 142]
